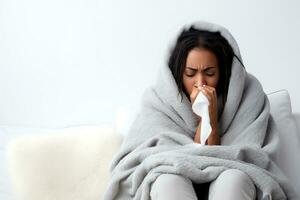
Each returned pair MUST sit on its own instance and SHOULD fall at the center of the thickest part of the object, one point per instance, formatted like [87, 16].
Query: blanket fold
[160, 139]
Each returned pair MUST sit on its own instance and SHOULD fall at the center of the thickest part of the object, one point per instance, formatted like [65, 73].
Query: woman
[161, 159]
[201, 62]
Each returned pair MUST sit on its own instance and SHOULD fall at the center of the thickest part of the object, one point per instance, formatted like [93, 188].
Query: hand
[211, 94]
[194, 94]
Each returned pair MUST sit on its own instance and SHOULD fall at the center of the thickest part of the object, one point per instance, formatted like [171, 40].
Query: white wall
[67, 62]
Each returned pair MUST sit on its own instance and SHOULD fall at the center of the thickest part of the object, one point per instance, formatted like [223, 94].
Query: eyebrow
[204, 68]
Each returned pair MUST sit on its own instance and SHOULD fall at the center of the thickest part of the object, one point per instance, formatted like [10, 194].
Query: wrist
[214, 138]
[214, 125]
[214, 131]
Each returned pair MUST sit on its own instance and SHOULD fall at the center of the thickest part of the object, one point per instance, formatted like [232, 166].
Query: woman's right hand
[194, 93]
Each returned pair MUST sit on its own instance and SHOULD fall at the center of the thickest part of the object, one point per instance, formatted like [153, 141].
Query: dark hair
[213, 41]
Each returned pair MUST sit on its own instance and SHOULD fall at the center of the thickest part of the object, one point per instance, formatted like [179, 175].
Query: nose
[200, 80]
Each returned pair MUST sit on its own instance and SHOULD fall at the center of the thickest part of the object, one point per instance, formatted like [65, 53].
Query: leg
[232, 184]
[172, 187]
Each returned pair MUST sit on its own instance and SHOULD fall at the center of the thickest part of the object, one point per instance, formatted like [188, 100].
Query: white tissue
[200, 107]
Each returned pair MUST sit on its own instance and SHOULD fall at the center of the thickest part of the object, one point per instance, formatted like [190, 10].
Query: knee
[172, 186]
[167, 182]
[234, 182]
[236, 177]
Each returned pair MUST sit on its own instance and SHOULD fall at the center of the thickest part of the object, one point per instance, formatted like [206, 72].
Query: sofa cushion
[70, 163]
[288, 154]
[8, 134]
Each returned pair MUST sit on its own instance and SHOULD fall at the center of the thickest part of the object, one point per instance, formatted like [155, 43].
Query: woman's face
[201, 68]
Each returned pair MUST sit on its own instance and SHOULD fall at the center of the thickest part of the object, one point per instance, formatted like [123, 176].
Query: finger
[210, 89]
[194, 93]
[197, 85]
[212, 92]
[196, 89]
[206, 93]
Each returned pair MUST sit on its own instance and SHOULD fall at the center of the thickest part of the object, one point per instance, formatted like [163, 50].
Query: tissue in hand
[200, 107]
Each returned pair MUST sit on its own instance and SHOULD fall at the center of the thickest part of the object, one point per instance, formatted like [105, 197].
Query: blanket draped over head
[161, 139]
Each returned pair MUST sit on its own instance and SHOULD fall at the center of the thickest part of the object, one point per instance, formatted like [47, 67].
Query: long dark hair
[192, 38]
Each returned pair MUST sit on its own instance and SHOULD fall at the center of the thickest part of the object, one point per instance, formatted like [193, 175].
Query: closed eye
[189, 75]
[209, 71]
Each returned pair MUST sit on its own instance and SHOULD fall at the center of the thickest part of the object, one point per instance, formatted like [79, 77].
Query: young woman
[201, 62]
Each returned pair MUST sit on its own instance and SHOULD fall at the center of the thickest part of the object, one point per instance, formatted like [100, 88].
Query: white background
[74, 62]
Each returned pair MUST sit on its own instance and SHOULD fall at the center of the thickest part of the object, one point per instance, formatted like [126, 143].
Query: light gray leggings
[230, 185]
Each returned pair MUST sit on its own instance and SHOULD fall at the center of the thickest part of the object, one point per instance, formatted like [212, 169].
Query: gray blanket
[160, 139]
